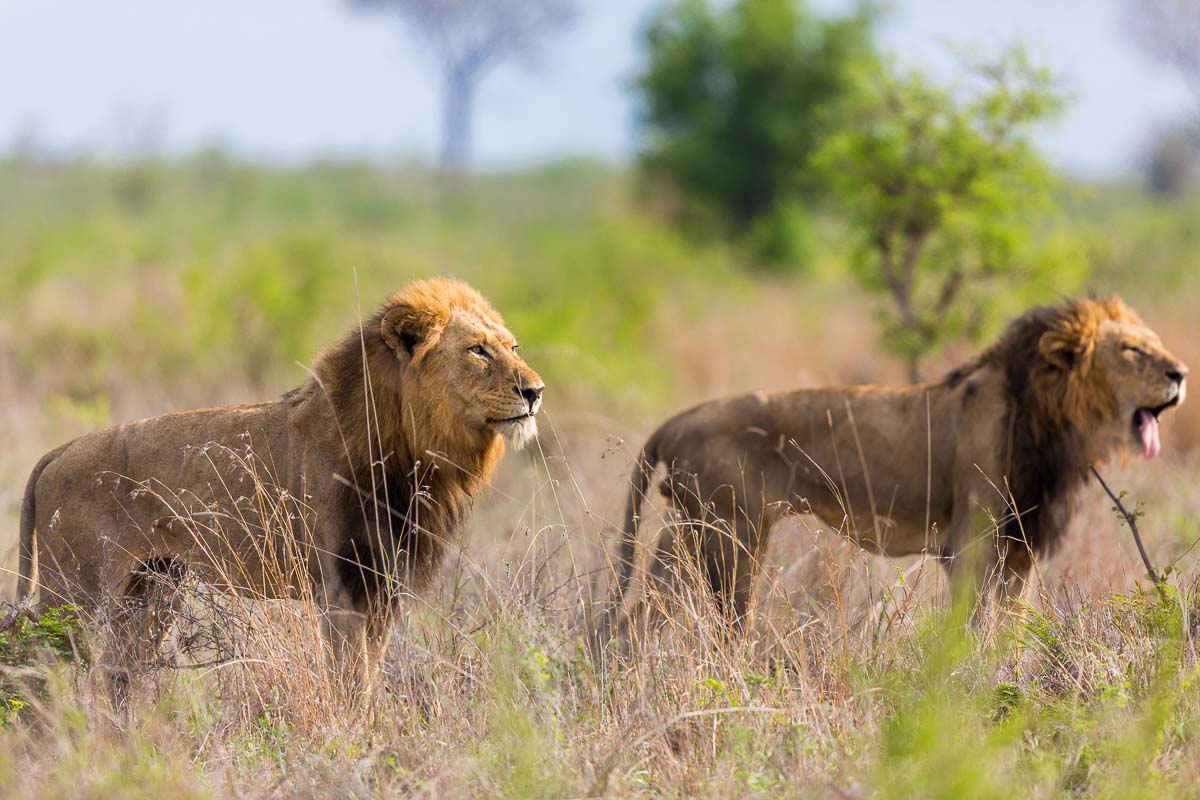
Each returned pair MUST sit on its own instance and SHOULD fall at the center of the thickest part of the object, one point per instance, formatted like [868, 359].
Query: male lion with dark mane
[1008, 437]
[377, 458]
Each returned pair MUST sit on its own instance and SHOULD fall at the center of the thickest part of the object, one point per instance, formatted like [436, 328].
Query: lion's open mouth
[1145, 427]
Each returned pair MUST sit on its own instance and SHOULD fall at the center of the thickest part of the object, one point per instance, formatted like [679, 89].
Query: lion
[374, 463]
[993, 452]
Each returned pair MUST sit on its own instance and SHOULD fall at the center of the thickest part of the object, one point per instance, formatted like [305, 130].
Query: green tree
[734, 100]
[949, 200]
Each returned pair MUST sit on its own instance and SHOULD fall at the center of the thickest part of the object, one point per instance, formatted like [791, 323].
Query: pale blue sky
[294, 79]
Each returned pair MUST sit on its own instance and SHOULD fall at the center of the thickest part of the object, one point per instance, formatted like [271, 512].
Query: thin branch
[1133, 528]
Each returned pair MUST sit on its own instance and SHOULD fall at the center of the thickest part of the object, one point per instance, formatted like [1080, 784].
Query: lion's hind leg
[671, 559]
[697, 568]
[138, 621]
[730, 567]
[704, 560]
[675, 554]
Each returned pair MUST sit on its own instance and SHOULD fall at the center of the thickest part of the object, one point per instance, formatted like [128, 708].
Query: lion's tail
[28, 542]
[639, 482]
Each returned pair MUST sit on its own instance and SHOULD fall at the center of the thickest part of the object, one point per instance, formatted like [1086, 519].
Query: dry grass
[854, 678]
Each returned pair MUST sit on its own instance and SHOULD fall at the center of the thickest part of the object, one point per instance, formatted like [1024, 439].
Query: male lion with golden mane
[378, 456]
[1009, 437]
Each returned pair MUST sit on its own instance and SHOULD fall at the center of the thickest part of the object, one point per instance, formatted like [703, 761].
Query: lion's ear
[1060, 348]
[405, 328]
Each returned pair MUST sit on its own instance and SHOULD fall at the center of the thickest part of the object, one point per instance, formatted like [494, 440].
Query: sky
[293, 80]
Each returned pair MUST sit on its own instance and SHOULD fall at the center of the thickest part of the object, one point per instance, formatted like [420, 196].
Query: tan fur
[348, 486]
[917, 469]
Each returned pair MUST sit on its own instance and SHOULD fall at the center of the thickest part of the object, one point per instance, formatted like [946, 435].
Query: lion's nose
[1177, 374]
[531, 394]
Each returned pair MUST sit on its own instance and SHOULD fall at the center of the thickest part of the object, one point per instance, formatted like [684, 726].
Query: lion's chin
[520, 432]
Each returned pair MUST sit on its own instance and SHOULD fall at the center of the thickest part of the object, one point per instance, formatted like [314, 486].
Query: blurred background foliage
[243, 270]
[215, 268]
[781, 156]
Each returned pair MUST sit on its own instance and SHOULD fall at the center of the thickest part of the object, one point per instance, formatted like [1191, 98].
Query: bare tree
[1172, 160]
[469, 37]
[1169, 32]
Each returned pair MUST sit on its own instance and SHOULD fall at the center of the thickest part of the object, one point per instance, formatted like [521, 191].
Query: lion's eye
[481, 351]
[1137, 351]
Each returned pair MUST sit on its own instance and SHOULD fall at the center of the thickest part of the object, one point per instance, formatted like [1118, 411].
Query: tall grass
[855, 677]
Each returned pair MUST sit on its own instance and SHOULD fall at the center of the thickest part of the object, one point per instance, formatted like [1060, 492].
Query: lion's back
[193, 455]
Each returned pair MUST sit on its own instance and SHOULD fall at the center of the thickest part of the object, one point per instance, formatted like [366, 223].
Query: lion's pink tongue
[1148, 427]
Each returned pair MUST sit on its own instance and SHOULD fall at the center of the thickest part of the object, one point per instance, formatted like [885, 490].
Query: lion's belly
[894, 527]
[884, 510]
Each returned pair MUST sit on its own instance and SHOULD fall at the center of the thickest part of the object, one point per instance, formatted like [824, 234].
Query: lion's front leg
[973, 574]
[377, 632]
[1014, 579]
[972, 559]
[357, 641]
[344, 630]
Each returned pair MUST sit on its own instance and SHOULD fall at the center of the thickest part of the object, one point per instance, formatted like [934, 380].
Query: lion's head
[461, 360]
[442, 377]
[1109, 375]
[1086, 380]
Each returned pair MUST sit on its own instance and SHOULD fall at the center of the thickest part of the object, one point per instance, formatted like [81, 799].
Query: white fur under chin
[519, 434]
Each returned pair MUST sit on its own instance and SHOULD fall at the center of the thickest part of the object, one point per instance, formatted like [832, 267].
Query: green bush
[27, 640]
[734, 101]
[948, 199]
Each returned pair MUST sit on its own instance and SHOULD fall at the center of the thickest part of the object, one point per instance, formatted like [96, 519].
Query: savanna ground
[134, 290]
